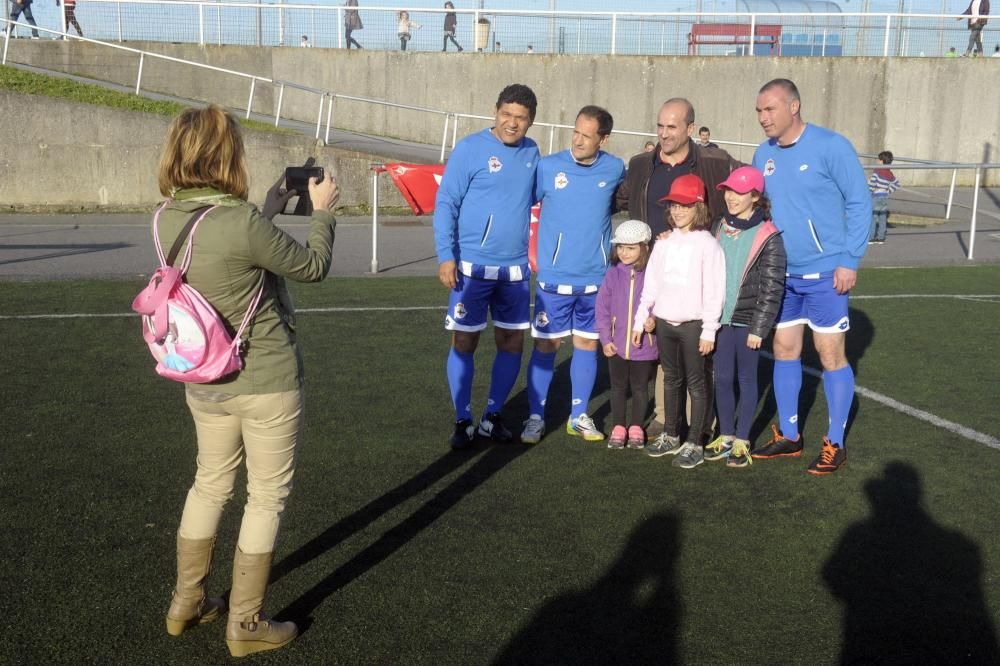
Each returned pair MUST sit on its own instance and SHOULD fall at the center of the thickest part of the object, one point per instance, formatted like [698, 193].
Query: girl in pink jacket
[682, 299]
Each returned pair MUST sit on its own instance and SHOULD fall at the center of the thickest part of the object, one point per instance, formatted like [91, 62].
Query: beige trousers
[263, 428]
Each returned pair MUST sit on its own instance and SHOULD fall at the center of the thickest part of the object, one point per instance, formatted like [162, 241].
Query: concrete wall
[931, 108]
[108, 159]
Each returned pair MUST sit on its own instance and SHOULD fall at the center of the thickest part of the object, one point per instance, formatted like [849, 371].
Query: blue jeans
[880, 218]
[16, 10]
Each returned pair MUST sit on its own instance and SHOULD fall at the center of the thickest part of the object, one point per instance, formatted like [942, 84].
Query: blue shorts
[508, 303]
[559, 315]
[813, 300]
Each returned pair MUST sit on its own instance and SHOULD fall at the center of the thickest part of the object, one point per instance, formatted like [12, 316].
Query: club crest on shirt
[769, 167]
[459, 311]
[541, 320]
[495, 164]
[561, 180]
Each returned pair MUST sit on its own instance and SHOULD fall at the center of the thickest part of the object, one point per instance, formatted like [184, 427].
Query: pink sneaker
[617, 439]
[636, 437]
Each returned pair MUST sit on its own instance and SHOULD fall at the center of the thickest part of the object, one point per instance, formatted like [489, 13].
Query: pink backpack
[185, 334]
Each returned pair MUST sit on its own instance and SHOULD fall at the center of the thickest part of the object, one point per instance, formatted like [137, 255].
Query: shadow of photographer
[630, 615]
[911, 589]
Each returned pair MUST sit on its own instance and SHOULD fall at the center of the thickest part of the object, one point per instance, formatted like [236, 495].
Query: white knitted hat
[632, 232]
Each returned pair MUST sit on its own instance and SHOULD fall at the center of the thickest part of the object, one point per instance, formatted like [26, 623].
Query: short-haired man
[481, 237]
[820, 202]
[576, 188]
[648, 180]
[705, 138]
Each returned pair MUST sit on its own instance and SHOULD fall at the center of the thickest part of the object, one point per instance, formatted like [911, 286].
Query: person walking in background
[977, 11]
[577, 190]
[352, 22]
[882, 183]
[69, 14]
[255, 414]
[820, 202]
[481, 218]
[17, 8]
[682, 300]
[629, 366]
[755, 285]
[403, 27]
[451, 28]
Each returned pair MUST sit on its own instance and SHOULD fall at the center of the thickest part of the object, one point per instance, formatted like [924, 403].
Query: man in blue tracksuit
[481, 220]
[577, 189]
[820, 202]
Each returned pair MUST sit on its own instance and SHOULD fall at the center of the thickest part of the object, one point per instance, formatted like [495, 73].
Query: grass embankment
[32, 83]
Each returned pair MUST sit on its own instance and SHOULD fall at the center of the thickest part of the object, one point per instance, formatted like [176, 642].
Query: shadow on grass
[630, 615]
[910, 587]
[58, 250]
[488, 461]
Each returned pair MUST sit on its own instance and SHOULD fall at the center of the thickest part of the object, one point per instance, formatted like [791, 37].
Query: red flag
[418, 183]
[536, 215]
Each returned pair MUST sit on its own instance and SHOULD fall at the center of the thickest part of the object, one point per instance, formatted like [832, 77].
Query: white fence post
[138, 79]
[253, 85]
[552, 137]
[319, 117]
[951, 194]
[885, 42]
[375, 168]
[118, 6]
[329, 118]
[975, 207]
[444, 136]
[614, 31]
[281, 99]
[201, 25]
[753, 29]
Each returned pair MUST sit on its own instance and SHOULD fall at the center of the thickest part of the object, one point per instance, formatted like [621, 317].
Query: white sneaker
[534, 428]
[583, 426]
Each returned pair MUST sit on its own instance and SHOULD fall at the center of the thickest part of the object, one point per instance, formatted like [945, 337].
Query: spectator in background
[977, 11]
[69, 13]
[19, 7]
[882, 183]
[352, 22]
[705, 138]
[952, 53]
[497, 48]
[403, 27]
[649, 147]
[305, 42]
[531, 49]
[996, 51]
[450, 27]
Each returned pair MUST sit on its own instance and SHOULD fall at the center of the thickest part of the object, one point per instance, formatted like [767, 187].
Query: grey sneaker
[665, 445]
[690, 455]
[533, 430]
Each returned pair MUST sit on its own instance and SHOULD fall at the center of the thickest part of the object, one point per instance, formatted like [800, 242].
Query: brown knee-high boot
[189, 605]
[247, 630]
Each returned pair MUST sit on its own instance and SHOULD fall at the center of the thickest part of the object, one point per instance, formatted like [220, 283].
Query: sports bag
[185, 334]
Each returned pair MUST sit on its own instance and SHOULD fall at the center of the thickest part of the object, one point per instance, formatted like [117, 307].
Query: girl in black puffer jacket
[755, 284]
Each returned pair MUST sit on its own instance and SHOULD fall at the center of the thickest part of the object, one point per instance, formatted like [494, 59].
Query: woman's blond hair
[204, 148]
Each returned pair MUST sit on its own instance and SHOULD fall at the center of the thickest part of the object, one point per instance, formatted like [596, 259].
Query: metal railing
[327, 99]
[513, 31]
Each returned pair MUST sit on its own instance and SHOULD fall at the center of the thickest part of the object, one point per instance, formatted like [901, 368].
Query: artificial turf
[396, 550]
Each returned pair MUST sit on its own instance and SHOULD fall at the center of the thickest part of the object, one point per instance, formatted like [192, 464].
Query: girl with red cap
[682, 300]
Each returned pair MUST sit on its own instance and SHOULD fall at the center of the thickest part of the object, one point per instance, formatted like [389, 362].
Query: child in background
[403, 28]
[630, 366]
[881, 184]
[755, 285]
[684, 290]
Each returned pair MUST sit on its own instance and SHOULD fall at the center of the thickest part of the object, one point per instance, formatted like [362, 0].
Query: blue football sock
[839, 388]
[582, 373]
[506, 367]
[460, 369]
[541, 367]
[787, 384]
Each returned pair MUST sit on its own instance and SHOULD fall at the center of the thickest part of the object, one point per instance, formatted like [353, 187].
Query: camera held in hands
[297, 180]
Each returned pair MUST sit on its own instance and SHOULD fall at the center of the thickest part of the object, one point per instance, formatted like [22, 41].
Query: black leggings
[626, 375]
[351, 40]
[451, 36]
[680, 358]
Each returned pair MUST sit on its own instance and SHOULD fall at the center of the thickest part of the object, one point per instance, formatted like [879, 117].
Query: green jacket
[235, 251]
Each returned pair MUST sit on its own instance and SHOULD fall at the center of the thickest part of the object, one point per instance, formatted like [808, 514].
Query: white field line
[955, 428]
[891, 403]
